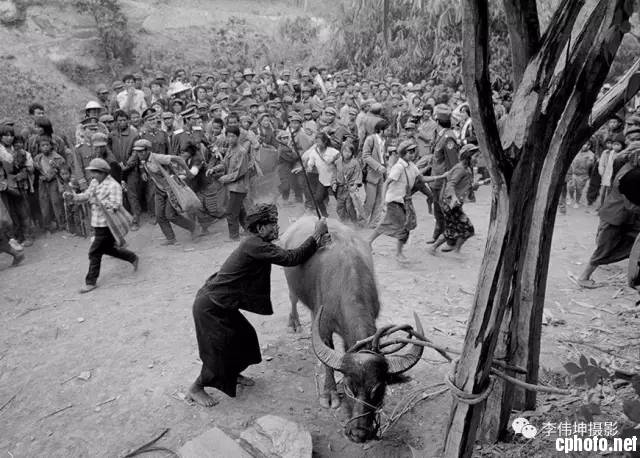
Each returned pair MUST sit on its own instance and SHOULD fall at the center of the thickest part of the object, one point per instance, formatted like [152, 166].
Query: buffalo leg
[294, 319]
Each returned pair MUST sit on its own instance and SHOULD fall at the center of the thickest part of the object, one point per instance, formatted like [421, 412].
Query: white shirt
[380, 141]
[324, 163]
[397, 187]
[138, 102]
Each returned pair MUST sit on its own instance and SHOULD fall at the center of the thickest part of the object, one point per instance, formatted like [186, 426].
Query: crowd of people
[324, 135]
[369, 145]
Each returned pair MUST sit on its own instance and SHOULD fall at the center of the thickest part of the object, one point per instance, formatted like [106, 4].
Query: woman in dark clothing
[459, 181]
[227, 342]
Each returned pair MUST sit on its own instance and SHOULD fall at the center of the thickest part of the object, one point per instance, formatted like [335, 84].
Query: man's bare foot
[432, 251]
[245, 381]
[198, 395]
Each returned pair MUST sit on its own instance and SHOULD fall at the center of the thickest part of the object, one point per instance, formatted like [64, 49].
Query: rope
[469, 398]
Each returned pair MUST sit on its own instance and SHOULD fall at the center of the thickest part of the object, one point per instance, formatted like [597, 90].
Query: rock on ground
[276, 436]
[213, 443]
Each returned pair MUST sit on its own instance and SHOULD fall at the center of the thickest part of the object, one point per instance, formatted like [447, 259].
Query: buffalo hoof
[294, 324]
[330, 400]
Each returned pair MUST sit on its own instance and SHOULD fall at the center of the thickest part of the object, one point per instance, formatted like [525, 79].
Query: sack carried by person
[119, 222]
[411, 220]
[181, 196]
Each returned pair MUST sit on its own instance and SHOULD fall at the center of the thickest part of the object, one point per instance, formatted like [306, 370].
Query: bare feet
[432, 251]
[245, 381]
[198, 395]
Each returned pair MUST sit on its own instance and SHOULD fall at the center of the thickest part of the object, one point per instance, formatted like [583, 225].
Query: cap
[89, 121]
[223, 85]
[287, 99]
[137, 76]
[177, 88]
[99, 139]
[149, 113]
[248, 72]
[331, 110]
[141, 144]
[102, 89]
[467, 151]
[178, 101]
[307, 111]
[188, 113]
[406, 145]
[92, 105]
[221, 97]
[197, 73]
[410, 125]
[99, 165]
[215, 106]
[117, 85]
[295, 116]
[106, 118]
[128, 76]
[167, 115]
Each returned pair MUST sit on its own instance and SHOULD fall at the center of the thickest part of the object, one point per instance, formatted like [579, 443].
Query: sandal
[587, 284]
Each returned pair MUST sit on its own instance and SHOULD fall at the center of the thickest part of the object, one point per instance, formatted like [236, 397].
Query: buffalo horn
[401, 363]
[327, 355]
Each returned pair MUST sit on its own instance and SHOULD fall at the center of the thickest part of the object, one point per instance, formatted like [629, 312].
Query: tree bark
[524, 34]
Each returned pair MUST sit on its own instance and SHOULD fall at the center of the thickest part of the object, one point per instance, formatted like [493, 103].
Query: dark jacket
[244, 280]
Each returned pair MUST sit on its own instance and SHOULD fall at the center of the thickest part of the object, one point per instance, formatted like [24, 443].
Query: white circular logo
[529, 431]
[518, 424]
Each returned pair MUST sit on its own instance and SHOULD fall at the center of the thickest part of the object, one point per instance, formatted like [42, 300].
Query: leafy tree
[113, 31]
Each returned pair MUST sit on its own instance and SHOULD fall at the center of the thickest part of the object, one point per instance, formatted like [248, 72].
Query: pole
[294, 146]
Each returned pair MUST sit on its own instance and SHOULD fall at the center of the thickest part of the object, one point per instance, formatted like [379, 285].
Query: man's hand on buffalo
[321, 228]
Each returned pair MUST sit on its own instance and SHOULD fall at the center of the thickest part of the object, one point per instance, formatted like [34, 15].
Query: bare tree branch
[596, 45]
[555, 39]
[621, 92]
[538, 73]
[524, 34]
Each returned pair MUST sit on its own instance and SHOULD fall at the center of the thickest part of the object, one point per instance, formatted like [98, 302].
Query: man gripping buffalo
[227, 342]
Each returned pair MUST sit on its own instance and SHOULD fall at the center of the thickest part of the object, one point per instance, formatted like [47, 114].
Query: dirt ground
[135, 336]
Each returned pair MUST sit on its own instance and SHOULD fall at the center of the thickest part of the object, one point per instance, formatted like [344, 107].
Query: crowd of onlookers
[323, 134]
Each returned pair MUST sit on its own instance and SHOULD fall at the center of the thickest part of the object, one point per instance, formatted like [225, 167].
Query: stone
[277, 436]
[213, 443]
[8, 12]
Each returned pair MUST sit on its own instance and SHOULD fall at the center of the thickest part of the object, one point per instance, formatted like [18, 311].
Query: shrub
[113, 30]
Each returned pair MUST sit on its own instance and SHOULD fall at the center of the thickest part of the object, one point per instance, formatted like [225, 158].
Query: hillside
[52, 54]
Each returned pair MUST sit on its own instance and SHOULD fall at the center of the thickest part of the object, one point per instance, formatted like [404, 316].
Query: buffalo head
[366, 372]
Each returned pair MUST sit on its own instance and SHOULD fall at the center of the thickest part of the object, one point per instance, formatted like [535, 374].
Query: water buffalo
[338, 285]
